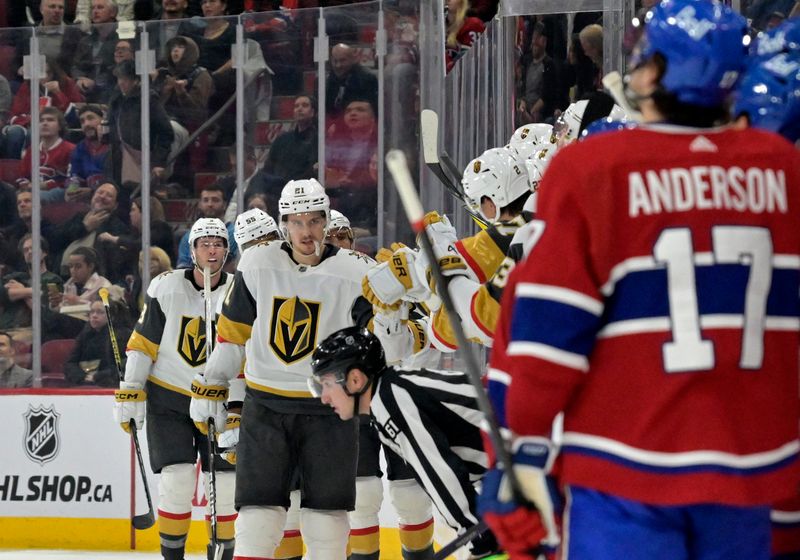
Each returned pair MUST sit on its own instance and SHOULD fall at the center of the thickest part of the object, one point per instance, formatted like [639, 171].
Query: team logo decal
[192, 340]
[476, 167]
[42, 441]
[293, 328]
[524, 134]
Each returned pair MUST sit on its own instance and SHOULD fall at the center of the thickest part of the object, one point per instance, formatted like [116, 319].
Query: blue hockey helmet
[607, 124]
[704, 44]
[783, 38]
[769, 94]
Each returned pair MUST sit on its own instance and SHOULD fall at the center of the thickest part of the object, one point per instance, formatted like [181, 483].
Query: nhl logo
[41, 434]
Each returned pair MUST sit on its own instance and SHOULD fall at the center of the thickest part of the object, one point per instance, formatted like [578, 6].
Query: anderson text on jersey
[707, 187]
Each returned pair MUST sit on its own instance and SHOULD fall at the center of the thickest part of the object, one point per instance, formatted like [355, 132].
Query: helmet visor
[317, 383]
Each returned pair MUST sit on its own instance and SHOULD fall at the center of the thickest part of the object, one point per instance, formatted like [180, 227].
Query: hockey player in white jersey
[497, 185]
[340, 232]
[254, 227]
[285, 298]
[166, 350]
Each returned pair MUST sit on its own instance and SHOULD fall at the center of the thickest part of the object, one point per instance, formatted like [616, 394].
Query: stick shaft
[396, 163]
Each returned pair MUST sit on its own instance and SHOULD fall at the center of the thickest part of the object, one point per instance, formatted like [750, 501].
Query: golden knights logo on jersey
[293, 328]
[192, 340]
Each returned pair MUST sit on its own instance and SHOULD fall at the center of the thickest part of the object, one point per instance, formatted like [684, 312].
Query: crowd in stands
[90, 142]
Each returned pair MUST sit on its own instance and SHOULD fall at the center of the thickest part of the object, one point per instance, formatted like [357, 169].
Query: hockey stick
[429, 125]
[451, 166]
[216, 546]
[460, 540]
[145, 520]
[396, 162]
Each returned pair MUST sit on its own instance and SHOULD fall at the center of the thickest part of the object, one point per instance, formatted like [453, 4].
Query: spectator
[591, 38]
[56, 89]
[124, 50]
[90, 157]
[16, 293]
[54, 155]
[130, 245]
[774, 20]
[257, 200]
[159, 262]
[8, 204]
[94, 58]
[761, 11]
[293, 154]
[12, 376]
[541, 89]
[215, 55]
[124, 116]
[83, 230]
[57, 40]
[91, 361]
[462, 31]
[12, 138]
[184, 87]
[21, 228]
[84, 7]
[349, 184]
[84, 278]
[581, 71]
[172, 21]
[347, 80]
[211, 205]
[256, 181]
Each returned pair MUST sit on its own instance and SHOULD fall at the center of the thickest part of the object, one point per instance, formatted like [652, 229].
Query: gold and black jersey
[280, 310]
[479, 302]
[171, 329]
[484, 251]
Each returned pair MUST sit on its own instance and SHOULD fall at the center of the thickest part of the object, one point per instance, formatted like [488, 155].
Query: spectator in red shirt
[56, 89]
[54, 154]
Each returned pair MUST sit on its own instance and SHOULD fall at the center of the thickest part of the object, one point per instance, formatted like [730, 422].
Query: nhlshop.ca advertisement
[63, 456]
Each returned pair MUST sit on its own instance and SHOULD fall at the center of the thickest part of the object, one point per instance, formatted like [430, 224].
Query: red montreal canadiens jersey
[659, 310]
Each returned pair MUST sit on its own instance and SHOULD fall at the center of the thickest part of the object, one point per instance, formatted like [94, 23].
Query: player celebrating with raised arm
[659, 311]
[285, 297]
[166, 350]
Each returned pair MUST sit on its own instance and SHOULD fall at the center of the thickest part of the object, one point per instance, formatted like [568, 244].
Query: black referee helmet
[346, 349]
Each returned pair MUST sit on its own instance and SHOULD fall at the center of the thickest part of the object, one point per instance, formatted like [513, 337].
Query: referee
[430, 418]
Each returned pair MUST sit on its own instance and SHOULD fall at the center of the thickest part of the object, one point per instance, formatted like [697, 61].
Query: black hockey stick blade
[460, 541]
[451, 166]
[145, 520]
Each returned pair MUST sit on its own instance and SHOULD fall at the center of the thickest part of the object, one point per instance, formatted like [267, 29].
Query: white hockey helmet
[338, 221]
[304, 195]
[535, 134]
[499, 174]
[208, 227]
[535, 167]
[253, 225]
[568, 125]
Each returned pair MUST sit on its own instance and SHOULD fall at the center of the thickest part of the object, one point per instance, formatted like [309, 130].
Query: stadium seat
[9, 170]
[54, 356]
[60, 212]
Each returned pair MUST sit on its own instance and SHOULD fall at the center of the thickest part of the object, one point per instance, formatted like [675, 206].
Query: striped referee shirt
[431, 419]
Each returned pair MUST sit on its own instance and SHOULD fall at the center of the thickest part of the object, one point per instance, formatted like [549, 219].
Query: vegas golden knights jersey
[478, 302]
[280, 310]
[171, 329]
